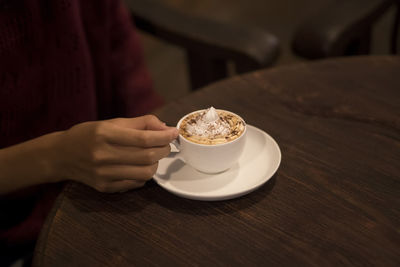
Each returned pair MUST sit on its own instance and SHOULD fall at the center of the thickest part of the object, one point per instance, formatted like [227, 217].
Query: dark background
[167, 63]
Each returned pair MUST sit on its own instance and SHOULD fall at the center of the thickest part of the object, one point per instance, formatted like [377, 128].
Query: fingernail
[165, 125]
[176, 132]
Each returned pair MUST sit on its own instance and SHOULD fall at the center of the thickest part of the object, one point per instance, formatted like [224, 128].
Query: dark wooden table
[334, 201]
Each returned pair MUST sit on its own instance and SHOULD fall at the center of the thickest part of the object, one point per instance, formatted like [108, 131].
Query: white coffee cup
[210, 158]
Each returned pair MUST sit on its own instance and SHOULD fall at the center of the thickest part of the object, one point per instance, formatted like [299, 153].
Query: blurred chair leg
[361, 45]
[204, 70]
[395, 30]
[245, 66]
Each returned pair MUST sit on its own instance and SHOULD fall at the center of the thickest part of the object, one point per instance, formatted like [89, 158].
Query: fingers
[147, 122]
[119, 186]
[140, 138]
[126, 172]
[135, 156]
[151, 122]
[118, 178]
[145, 131]
[116, 155]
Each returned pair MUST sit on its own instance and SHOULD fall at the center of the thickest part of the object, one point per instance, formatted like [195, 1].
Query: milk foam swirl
[208, 125]
[212, 127]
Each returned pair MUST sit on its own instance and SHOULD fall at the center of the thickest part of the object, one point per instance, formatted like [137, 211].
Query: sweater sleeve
[130, 79]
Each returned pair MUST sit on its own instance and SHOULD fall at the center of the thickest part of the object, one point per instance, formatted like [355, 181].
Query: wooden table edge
[41, 244]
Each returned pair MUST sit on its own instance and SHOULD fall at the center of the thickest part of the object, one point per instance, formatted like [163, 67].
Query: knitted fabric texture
[63, 62]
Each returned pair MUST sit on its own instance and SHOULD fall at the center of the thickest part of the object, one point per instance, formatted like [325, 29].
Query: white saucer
[260, 160]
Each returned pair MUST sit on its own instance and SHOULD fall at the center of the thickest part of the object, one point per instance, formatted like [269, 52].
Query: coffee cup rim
[216, 145]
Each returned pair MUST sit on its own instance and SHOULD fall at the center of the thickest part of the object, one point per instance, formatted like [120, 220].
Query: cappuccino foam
[211, 127]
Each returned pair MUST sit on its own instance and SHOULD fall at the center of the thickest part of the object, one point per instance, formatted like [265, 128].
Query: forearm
[29, 163]
[110, 156]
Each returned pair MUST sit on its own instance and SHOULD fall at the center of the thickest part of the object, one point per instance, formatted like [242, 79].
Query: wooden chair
[343, 28]
[209, 44]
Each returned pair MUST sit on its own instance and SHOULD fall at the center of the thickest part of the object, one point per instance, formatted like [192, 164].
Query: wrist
[50, 157]
[29, 163]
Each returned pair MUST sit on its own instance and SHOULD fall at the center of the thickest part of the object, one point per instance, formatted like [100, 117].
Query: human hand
[114, 155]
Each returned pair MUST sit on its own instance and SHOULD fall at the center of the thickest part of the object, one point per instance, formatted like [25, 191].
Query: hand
[114, 155]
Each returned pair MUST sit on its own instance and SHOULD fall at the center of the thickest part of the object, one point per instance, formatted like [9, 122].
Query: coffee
[211, 127]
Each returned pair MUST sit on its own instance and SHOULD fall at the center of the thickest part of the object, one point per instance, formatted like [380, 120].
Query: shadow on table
[82, 198]
[196, 207]
[86, 199]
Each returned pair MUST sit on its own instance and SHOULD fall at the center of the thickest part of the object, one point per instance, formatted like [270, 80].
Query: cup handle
[176, 146]
[176, 150]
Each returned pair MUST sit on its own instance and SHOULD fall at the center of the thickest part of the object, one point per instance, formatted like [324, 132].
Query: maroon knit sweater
[63, 62]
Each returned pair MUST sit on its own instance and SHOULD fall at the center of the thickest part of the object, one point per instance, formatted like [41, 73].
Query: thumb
[151, 122]
[147, 122]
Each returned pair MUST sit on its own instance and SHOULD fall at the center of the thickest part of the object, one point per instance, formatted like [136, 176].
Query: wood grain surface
[334, 201]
